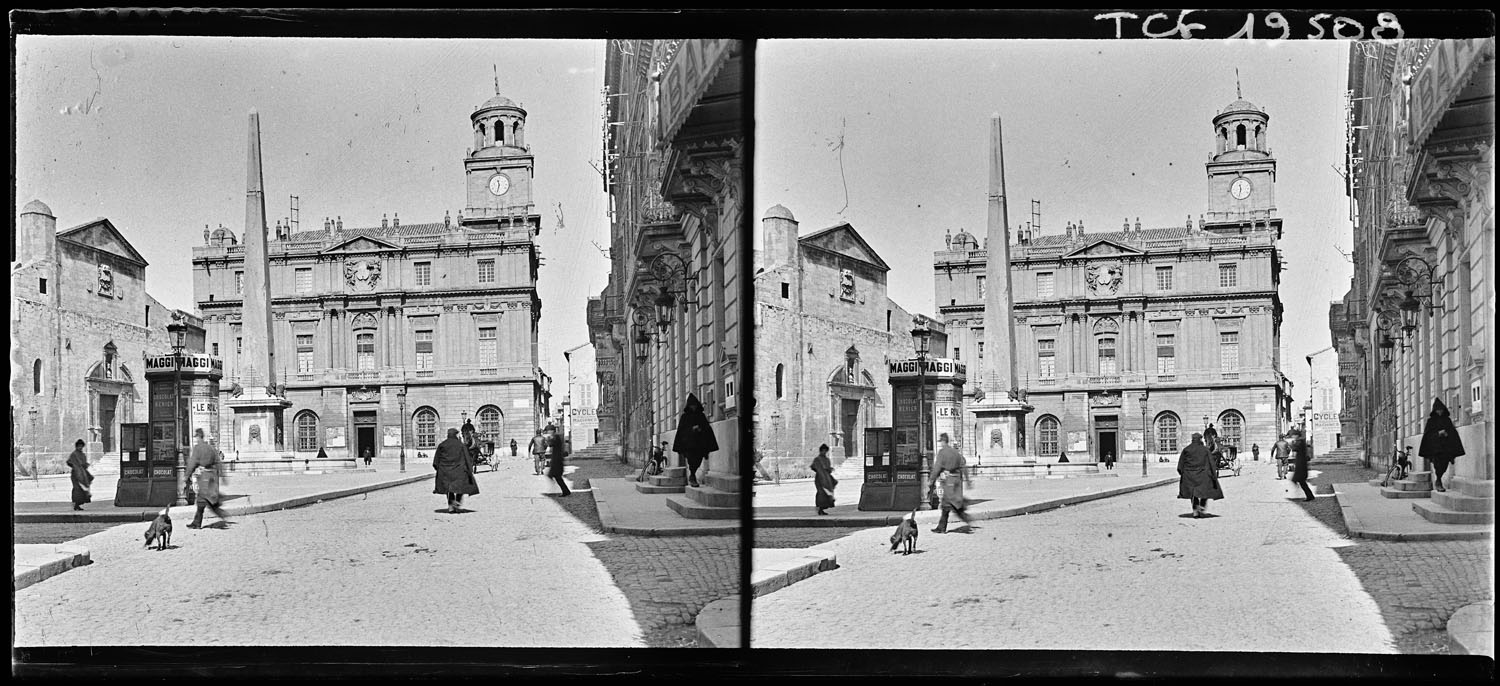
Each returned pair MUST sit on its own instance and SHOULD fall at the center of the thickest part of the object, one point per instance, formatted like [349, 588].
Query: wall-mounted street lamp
[677, 283]
[1387, 349]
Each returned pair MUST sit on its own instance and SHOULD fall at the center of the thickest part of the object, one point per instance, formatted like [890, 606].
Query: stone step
[725, 482]
[1397, 493]
[713, 497]
[1424, 477]
[1478, 488]
[652, 489]
[1378, 483]
[1408, 485]
[691, 509]
[679, 472]
[1438, 514]
[667, 481]
[1459, 502]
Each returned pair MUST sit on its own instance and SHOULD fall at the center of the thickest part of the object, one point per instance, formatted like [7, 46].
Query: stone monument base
[256, 419]
[1001, 425]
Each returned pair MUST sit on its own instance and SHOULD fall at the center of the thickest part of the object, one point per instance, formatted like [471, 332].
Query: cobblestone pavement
[387, 568]
[56, 532]
[1126, 573]
[801, 537]
[1417, 584]
[668, 579]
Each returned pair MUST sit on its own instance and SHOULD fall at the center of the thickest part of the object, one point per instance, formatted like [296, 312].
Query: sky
[892, 136]
[150, 132]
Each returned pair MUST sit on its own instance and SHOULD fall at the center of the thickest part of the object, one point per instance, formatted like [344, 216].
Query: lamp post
[919, 336]
[642, 345]
[401, 398]
[178, 332]
[1145, 433]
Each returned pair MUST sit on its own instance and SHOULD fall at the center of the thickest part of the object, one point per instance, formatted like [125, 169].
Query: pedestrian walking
[1062, 456]
[1281, 452]
[1301, 454]
[78, 473]
[204, 461]
[1440, 442]
[367, 456]
[455, 471]
[695, 437]
[1199, 480]
[556, 451]
[823, 479]
[1211, 438]
[538, 452]
[1255, 452]
[948, 467]
[513, 447]
[1109, 459]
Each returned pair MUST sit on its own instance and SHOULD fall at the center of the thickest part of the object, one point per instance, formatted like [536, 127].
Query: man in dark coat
[695, 437]
[204, 460]
[823, 480]
[1301, 454]
[1200, 480]
[1211, 438]
[1440, 442]
[78, 473]
[455, 471]
[948, 467]
[555, 455]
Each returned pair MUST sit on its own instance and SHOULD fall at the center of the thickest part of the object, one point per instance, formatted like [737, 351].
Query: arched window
[1231, 428]
[1168, 429]
[109, 360]
[483, 133]
[307, 431]
[489, 423]
[1239, 136]
[1046, 435]
[780, 381]
[426, 420]
[36, 377]
[499, 132]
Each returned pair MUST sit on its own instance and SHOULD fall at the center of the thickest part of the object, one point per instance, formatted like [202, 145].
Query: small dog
[906, 532]
[160, 531]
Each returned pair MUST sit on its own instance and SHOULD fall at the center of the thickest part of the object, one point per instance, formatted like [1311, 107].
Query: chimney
[385, 222]
[1127, 224]
[447, 219]
[1070, 231]
[1080, 228]
[340, 223]
[1200, 221]
[1190, 222]
[396, 222]
[1137, 224]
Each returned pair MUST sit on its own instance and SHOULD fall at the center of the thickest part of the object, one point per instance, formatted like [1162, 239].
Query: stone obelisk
[258, 407]
[1001, 415]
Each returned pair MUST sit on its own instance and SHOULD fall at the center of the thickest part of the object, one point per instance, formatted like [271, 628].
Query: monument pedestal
[257, 415]
[1001, 431]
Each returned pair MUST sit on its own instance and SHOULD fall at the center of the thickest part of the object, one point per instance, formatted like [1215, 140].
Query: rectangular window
[486, 271]
[1046, 350]
[1229, 351]
[1163, 278]
[1107, 365]
[216, 349]
[42, 286]
[980, 285]
[1044, 285]
[364, 350]
[304, 353]
[239, 282]
[1166, 354]
[786, 290]
[1228, 276]
[489, 360]
[1166, 434]
[424, 350]
[424, 273]
[304, 279]
[955, 352]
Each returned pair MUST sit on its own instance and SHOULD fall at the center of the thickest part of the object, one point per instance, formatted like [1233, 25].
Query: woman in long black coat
[78, 473]
[1199, 478]
[695, 437]
[455, 471]
[823, 480]
[1440, 442]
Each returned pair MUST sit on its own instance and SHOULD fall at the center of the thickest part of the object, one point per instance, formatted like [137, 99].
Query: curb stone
[718, 623]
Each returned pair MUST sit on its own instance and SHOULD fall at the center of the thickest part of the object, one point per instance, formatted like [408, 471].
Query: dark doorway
[365, 435]
[849, 425]
[1107, 445]
[107, 421]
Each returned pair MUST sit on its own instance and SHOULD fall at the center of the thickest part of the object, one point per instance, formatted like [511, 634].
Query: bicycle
[1400, 466]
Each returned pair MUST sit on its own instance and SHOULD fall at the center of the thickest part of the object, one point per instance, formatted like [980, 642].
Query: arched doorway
[853, 400]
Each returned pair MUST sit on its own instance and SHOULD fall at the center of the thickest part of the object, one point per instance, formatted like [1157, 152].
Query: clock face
[499, 184]
[1240, 189]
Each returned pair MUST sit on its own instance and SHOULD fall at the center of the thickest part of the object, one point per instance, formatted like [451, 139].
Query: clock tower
[1242, 173]
[499, 169]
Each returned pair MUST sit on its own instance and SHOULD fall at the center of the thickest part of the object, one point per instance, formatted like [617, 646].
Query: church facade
[398, 332]
[1128, 341]
[81, 325]
[825, 330]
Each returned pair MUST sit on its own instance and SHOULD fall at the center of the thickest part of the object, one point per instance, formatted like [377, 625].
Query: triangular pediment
[1103, 248]
[361, 244]
[844, 240]
[100, 234]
